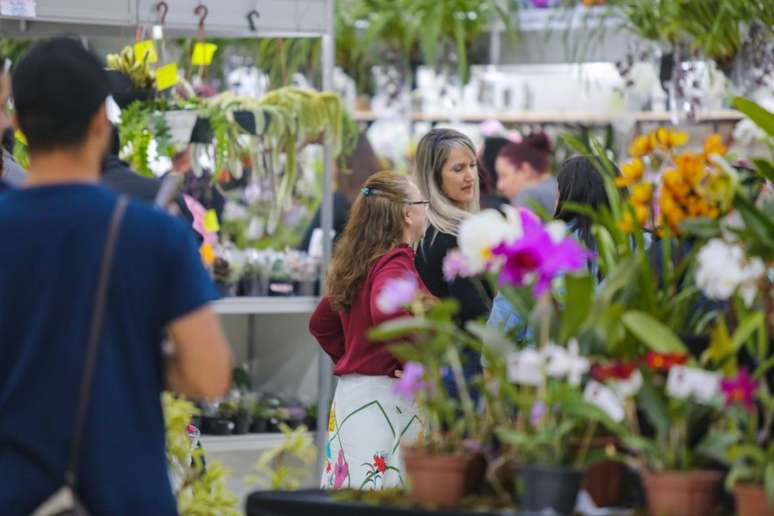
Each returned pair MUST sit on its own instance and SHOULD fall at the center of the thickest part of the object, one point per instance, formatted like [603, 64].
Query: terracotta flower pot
[681, 493]
[602, 481]
[440, 480]
[751, 501]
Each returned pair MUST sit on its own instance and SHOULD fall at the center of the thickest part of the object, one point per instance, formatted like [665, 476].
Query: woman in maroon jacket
[367, 420]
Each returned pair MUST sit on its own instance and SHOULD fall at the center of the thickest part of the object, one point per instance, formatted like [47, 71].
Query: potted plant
[243, 418]
[551, 440]
[446, 463]
[731, 270]
[262, 413]
[668, 419]
[311, 416]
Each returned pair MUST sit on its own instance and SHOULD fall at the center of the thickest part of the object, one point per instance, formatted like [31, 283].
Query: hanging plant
[286, 120]
[141, 123]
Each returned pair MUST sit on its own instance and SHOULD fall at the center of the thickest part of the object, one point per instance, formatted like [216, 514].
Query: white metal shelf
[246, 442]
[265, 305]
[546, 117]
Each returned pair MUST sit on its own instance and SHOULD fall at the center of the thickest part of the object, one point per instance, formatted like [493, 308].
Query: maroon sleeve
[399, 267]
[325, 326]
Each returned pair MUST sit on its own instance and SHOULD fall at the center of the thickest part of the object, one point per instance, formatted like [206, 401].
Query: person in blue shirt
[52, 232]
[580, 183]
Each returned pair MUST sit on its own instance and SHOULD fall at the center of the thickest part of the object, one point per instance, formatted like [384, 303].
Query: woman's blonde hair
[375, 226]
[432, 152]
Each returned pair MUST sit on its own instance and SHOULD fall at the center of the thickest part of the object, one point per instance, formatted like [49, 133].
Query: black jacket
[475, 300]
[117, 176]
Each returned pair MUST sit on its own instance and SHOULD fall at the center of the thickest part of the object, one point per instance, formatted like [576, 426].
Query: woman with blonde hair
[371, 277]
[447, 175]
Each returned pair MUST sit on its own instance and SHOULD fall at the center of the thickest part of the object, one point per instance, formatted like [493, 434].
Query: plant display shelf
[265, 305]
[545, 117]
[236, 443]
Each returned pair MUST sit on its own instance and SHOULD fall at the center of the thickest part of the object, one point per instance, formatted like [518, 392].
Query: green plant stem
[462, 389]
[585, 444]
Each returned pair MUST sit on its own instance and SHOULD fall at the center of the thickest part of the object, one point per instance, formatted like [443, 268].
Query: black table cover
[319, 503]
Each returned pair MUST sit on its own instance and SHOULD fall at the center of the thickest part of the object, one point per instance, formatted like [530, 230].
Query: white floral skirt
[367, 425]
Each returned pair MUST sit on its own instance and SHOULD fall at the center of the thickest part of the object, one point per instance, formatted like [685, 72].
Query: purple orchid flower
[537, 413]
[396, 294]
[740, 389]
[455, 266]
[411, 382]
[535, 254]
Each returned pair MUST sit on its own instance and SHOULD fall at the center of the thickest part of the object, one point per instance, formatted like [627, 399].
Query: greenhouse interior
[525, 246]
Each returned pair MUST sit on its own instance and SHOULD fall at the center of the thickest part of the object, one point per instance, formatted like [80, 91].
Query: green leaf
[715, 445]
[701, 227]
[762, 118]
[720, 346]
[400, 327]
[765, 168]
[578, 303]
[653, 333]
[654, 406]
[746, 329]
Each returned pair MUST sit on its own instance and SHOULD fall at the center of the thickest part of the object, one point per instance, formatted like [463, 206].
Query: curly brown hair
[375, 226]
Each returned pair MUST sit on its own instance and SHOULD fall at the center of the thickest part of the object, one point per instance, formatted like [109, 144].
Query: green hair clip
[365, 191]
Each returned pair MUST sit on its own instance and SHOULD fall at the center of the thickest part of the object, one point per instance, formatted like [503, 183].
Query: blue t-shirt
[52, 239]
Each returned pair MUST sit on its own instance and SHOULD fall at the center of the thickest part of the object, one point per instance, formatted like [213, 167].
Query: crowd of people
[93, 282]
[402, 228]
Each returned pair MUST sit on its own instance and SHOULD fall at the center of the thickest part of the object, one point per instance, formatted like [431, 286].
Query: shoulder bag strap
[92, 348]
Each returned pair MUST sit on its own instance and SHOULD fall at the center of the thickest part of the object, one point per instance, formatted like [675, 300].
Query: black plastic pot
[217, 426]
[550, 488]
[242, 424]
[259, 426]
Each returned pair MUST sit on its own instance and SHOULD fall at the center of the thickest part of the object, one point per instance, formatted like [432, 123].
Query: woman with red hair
[524, 173]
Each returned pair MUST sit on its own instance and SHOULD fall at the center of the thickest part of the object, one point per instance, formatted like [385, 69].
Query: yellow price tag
[211, 221]
[203, 53]
[166, 76]
[146, 48]
[20, 137]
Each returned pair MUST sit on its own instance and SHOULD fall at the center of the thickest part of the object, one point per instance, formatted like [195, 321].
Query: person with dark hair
[487, 172]
[580, 183]
[358, 167]
[524, 173]
[93, 284]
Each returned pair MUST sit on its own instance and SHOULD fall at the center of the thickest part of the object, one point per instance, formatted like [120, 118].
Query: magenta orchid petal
[740, 389]
[397, 294]
[410, 383]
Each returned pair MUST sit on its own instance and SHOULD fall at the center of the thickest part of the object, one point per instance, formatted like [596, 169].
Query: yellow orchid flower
[674, 182]
[691, 167]
[631, 173]
[641, 146]
[713, 144]
[642, 194]
[667, 140]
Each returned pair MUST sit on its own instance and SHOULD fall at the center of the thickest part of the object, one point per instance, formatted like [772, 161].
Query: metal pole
[325, 367]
